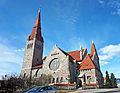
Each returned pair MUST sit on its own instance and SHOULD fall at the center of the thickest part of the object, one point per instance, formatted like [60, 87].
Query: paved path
[113, 90]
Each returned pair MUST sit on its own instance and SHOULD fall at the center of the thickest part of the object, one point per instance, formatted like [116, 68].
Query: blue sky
[67, 23]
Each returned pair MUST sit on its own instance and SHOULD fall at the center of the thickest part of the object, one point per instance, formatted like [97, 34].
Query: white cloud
[20, 50]
[104, 63]
[109, 52]
[10, 59]
[101, 1]
[113, 4]
[116, 12]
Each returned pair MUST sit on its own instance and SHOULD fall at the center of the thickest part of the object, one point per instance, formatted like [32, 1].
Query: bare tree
[11, 83]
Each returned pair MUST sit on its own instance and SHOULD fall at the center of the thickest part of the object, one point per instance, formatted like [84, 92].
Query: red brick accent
[64, 84]
[94, 84]
[37, 67]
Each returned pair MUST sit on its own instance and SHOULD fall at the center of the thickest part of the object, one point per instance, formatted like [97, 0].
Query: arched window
[53, 81]
[36, 73]
[41, 75]
[61, 79]
[24, 75]
[57, 80]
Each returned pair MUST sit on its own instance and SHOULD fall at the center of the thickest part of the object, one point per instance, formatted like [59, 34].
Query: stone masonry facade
[74, 67]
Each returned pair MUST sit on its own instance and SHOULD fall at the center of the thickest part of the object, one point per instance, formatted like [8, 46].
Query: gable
[87, 63]
[56, 52]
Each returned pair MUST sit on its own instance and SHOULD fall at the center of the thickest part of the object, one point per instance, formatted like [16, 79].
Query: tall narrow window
[53, 81]
[24, 75]
[61, 79]
[49, 80]
[57, 80]
[37, 59]
[36, 73]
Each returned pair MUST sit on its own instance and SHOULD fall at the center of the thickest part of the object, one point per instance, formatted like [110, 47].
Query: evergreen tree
[113, 81]
[108, 81]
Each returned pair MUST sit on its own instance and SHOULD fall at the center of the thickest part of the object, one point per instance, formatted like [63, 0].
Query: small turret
[81, 54]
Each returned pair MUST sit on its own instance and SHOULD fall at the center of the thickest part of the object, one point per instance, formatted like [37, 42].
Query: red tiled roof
[90, 55]
[75, 54]
[36, 31]
[87, 63]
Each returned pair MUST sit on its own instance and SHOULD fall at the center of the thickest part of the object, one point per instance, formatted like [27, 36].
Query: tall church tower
[33, 50]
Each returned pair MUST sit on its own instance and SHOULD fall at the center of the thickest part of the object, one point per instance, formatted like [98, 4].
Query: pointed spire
[93, 49]
[37, 23]
[36, 31]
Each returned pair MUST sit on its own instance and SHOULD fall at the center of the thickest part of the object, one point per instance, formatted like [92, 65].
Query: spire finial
[56, 45]
[38, 10]
[92, 41]
[80, 47]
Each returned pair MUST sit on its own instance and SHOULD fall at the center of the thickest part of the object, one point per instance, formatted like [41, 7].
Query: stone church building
[74, 67]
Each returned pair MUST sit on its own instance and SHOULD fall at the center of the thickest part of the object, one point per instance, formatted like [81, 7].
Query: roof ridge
[76, 50]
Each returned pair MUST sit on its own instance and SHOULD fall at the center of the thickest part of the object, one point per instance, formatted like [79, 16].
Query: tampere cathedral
[77, 66]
